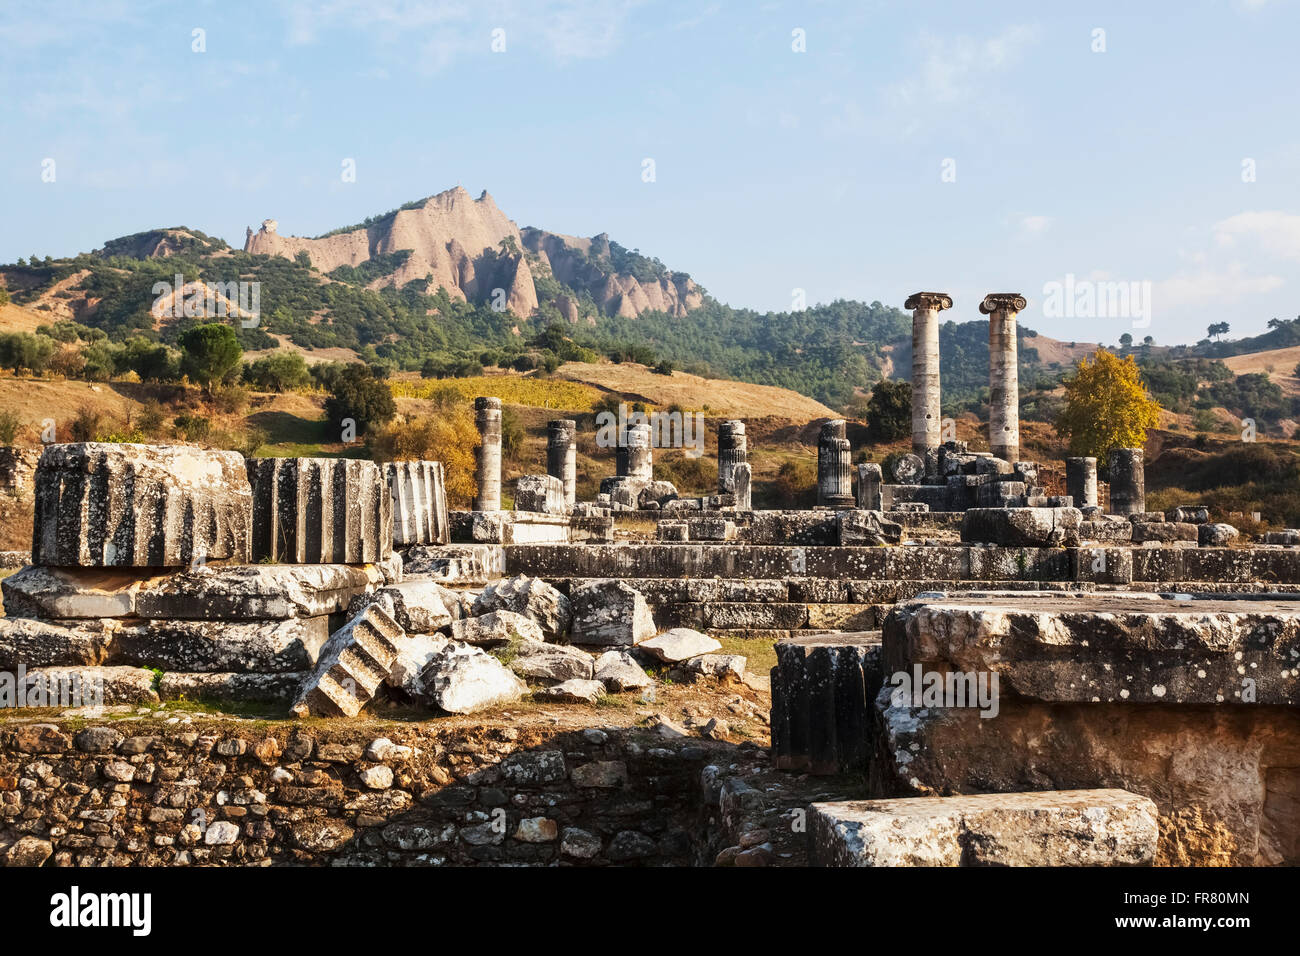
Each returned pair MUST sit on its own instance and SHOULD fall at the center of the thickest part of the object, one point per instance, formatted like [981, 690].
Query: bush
[278, 372]
[664, 367]
[448, 436]
[796, 484]
[86, 424]
[193, 427]
[358, 395]
[889, 410]
[10, 425]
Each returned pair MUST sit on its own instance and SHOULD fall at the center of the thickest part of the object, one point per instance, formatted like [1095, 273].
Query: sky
[778, 152]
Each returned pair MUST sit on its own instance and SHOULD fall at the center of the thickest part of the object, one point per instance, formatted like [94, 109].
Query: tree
[1148, 341]
[889, 410]
[356, 394]
[1106, 406]
[278, 372]
[1217, 329]
[209, 353]
[1126, 340]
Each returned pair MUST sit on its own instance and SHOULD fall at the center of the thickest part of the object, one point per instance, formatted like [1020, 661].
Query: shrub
[448, 435]
[889, 410]
[10, 424]
[278, 372]
[193, 427]
[86, 424]
[795, 485]
[358, 395]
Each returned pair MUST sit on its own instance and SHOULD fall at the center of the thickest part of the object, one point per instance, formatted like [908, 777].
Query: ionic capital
[1003, 302]
[933, 301]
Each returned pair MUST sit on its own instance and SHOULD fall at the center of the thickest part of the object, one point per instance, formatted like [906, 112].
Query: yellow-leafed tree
[447, 435]
[1106, 406]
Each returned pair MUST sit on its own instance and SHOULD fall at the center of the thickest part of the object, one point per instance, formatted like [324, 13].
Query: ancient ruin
[982, 672]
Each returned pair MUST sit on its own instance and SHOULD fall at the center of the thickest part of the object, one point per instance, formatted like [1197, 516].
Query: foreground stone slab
[84, 686]
[353, 664]
[320, 511]
[1107, 647]
[679, 644]
[140, 506]
[1051, 828]
[71, 592]
[537, 660]
[465, 679]
[419, 492]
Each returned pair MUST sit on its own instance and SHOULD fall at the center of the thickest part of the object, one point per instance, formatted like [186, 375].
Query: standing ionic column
[640, 452]
[733, 450]
[1081, 481]
[926, 307]
[1004, 386]
[1128, 493]
[834, 466]
[487, 416]
[562, 456]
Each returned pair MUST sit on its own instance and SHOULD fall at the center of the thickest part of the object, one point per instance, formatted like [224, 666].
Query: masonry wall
[125, 793]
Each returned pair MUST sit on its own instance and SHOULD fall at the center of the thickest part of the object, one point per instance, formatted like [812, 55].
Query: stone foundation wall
[124, 793]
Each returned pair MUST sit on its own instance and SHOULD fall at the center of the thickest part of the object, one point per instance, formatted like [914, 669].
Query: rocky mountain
[470, 248]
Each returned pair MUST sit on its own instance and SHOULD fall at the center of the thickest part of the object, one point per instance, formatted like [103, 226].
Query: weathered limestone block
[619, 671]
[742, 480]
[678, 644]
[256, 592]
[86, 686]
[139, 506]
[509, 527]
[465, 680]
[1216, 535]
[858, 527]
[496, 629]
[352, 665]
[822, 689]
[1022, 527]
[1288, 538]
[540, 493]
[672, 531]
[461, 564]
[70, 593]
[41, 644]
[656, 494]
[419, 493]
[610, 613]
[320, 511]
[17, 468]
[537, 660]
[1104, 565]
[1134, 648]
[293, 644]
[1048, 828]
[420, 606]
[573, 691]
[1164, 532]
[533, 598]
[711, 528]
[231, 687]
[1111, 529]
[1190, 514]
[870, 481]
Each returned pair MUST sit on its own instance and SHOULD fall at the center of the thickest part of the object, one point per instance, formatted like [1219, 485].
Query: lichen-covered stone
[352, 665]
[543, 494]
[139, 506]
[537, 660]
[1022, 527]
[1050, 828]
[609, 613]
[533, 598]
[419, 493]
[320, 511]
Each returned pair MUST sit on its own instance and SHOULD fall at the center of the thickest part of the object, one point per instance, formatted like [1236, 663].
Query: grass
[759, 653]
[511, 389]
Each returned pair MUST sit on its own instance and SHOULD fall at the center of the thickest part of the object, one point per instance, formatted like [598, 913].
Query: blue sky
[775, 170]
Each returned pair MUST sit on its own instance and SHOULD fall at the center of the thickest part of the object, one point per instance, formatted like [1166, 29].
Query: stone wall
[145, 793]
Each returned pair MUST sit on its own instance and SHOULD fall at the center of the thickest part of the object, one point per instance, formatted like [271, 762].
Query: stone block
[352, 665]
[1164, 532]
[543, 494]
[419, 495]
[140, 506]
[320, 511]
[858, 527]
[1022, 527]
[533, 598]
[236, 646]
[1047, 828]
[231, 687]
[610, 613]
[822, 689]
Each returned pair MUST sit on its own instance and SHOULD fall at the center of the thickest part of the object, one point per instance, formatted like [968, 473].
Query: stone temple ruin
[982, 672]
